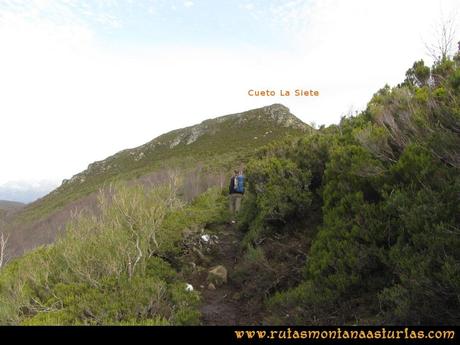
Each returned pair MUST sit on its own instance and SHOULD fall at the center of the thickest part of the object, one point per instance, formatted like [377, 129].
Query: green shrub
[387, 247]
[277, 192]
[106, 268]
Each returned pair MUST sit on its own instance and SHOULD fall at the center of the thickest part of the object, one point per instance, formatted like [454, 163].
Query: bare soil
[223, 306]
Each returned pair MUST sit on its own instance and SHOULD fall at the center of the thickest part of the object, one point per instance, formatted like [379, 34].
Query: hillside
[357, 224]
[200, 156]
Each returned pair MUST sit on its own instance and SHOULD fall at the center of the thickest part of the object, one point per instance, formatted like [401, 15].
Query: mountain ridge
[188, 135]
[202, 154]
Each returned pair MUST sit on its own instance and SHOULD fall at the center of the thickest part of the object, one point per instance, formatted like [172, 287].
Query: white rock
[188, 287]
[205, 238]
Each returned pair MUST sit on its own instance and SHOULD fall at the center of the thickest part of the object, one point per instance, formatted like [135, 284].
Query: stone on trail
[205, 238]
[218, 275]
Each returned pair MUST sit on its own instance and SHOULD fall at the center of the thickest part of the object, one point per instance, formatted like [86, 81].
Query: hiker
[236, 191]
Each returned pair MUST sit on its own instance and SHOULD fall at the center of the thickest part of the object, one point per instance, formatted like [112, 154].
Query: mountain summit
[203, 155]
[241, 130]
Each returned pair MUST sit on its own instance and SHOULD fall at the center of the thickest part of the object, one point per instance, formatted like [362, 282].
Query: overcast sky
[81, 80]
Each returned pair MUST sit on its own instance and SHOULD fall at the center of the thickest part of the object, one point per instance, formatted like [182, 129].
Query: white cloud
[151, 10]
[66, 102]
[188, 4]
[357, 46]
[248, 6]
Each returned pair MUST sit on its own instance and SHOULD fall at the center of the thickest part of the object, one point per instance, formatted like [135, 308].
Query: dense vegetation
[121, 267]
[356, 223]
[376, 200]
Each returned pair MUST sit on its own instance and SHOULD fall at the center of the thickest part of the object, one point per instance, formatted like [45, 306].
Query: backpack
[239, 183]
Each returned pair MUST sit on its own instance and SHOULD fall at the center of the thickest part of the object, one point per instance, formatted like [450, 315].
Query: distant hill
[10, 205]
[7, 210]
[201, 155]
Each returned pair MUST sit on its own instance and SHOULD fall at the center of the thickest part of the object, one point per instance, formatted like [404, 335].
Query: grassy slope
[224, 141]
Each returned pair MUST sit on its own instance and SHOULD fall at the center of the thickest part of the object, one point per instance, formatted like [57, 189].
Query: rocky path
[221, 305]
[213, 254]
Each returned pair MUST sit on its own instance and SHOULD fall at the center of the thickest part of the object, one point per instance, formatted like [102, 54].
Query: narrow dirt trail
[221, 306]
